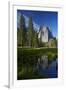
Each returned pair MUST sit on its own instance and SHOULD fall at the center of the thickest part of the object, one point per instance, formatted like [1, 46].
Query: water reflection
[45, 68]
[43, 61]
[38, 67]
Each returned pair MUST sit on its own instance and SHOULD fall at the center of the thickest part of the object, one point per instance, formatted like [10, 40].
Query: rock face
[44, 34]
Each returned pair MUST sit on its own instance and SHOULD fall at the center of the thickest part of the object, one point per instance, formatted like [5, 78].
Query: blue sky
[43, 18]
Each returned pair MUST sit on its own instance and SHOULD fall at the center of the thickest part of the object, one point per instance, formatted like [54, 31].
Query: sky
[43, 18]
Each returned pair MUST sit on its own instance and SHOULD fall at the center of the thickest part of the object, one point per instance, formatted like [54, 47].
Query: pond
[37, 66]
[50, 70]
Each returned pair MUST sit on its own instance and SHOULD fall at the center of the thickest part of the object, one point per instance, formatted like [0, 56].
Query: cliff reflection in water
[47, 68]
[38, 67]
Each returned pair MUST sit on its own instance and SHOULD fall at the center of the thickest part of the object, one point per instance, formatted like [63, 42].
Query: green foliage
[54, 43]
[35, 40]
[21, 33]
[30, 32]
[35, 51]
[28, 37]
[19, 39]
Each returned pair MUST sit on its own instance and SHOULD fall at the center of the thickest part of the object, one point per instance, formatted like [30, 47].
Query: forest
[27, 37]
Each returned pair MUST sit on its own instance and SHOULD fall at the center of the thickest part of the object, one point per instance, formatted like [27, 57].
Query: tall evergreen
[30, 32]
[35, 40]
[22, 31]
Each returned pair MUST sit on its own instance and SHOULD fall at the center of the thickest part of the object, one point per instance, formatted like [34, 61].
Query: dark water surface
[35, 67]
[50, 71]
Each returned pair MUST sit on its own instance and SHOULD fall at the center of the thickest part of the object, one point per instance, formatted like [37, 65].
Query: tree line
[26, 37]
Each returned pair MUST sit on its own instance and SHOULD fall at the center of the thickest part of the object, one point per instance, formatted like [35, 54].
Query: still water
[47, 68]
[35, 67]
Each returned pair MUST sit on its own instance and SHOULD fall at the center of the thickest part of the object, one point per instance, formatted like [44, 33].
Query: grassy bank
[35, 51]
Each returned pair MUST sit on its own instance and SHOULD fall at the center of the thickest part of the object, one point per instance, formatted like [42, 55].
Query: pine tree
[22, 31]
[35, 40]
[30, 32]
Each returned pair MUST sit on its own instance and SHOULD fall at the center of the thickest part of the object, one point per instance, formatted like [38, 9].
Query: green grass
[34, 51]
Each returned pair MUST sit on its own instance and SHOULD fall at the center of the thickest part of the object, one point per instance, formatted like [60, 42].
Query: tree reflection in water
[38, 67]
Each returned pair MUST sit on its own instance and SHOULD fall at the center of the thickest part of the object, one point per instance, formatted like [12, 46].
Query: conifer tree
[30, 32]
[22, 31]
